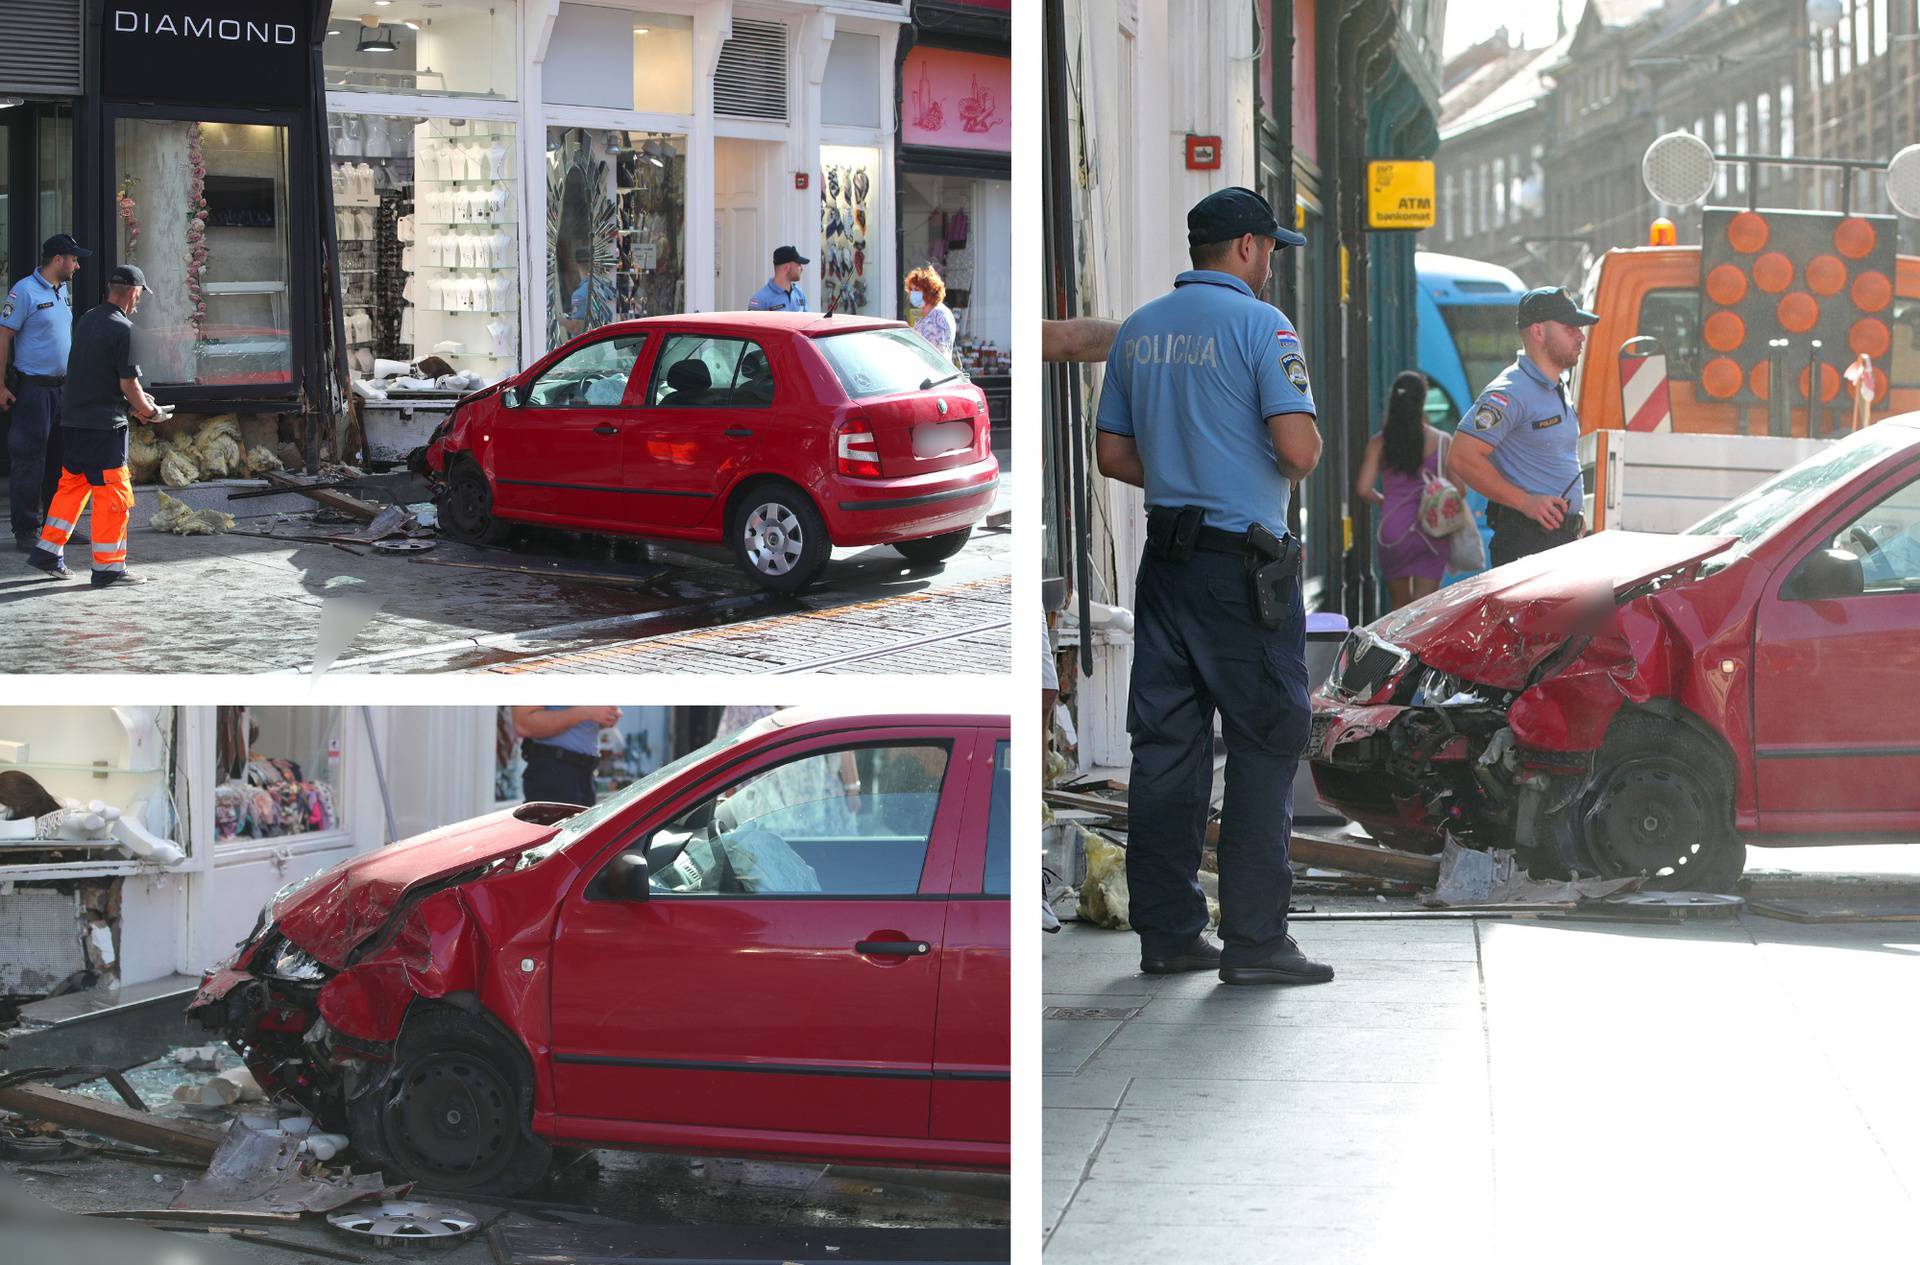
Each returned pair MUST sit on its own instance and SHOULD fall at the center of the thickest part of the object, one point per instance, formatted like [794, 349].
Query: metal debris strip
[406, 1221]
[1090, 1012]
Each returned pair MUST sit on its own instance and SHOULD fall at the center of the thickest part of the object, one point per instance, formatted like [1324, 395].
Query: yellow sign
[1400, 195]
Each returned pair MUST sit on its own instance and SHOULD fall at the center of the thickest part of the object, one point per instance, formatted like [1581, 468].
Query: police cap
[1234, 212]
[62, 244]
[1552, 303]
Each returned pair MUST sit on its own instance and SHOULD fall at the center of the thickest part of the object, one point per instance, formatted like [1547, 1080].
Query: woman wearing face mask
[932, 319]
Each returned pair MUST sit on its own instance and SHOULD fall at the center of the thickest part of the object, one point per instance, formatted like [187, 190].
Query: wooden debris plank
[112, 1120]
[365, 511]
[1115, 808]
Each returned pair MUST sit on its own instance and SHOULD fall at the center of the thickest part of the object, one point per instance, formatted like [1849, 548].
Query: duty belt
[1176, 531]
[579, 759]
[45, 380]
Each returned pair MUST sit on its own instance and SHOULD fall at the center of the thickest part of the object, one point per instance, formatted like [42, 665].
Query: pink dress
[1406, 552]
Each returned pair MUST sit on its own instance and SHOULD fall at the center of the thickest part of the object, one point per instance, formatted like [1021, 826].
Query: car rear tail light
[857, 450]
[982, 431]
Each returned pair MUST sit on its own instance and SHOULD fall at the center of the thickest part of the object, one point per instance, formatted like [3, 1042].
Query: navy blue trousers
[556, 781]
[1198, 650]
[36, 413]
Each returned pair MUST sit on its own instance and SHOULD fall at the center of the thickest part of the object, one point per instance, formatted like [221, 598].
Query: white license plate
[937, 439]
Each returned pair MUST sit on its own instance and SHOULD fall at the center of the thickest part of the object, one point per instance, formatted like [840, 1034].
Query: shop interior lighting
[641, 30]
[373, 37]
[7, 103]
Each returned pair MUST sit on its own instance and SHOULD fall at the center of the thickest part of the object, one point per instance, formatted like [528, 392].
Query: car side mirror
[1823, 574]
[630, 876]
[512, 396]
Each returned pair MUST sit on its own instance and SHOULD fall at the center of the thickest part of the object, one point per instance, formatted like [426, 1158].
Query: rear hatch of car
[913, 413]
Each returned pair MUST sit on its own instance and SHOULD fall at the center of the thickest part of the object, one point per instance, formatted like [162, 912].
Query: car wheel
[934, 548]
[1660, 805]
[779, 537]
[455, 1109]
[466, 509]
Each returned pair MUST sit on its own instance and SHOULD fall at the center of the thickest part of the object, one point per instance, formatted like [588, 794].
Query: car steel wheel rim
[453, 1117]
[1650, 816]
[468, 507]
[774, 539]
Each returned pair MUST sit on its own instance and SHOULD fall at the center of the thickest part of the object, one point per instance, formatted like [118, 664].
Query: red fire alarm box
[1203, 153]
[800, 179]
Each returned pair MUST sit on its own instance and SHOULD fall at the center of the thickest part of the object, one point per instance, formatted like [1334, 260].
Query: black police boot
[1202, 955]
[1289, 966]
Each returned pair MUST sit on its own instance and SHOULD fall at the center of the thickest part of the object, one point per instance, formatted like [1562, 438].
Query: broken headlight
[290, 962]
[1443, 689]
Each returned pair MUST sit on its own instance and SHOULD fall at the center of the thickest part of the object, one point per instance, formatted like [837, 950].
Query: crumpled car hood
[1496, 627]
[341, 907]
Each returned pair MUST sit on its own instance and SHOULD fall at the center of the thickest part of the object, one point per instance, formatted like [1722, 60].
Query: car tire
[466, 508]
[1660, 804]
[934, 548]
[778, 537]
[454, 1112]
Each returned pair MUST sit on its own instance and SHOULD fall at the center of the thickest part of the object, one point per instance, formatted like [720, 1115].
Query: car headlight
[293, 963]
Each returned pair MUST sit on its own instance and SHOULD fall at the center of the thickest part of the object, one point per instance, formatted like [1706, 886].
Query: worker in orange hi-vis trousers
[103, 392]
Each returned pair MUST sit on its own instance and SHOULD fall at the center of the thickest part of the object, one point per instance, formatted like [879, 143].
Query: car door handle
[738, 432]
[604, 429]
[893, 948]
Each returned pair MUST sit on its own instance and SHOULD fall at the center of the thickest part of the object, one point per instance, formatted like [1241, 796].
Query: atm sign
[1400, 195]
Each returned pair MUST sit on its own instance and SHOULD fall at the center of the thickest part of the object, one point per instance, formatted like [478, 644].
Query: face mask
[916, 298]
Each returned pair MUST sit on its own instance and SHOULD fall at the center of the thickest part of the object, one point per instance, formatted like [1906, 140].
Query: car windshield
[580, 823]
[885, 361]
[1760, 510]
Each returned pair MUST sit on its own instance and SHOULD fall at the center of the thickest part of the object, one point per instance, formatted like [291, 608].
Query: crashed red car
[779, 434]
[1641, 704]
[742, 953]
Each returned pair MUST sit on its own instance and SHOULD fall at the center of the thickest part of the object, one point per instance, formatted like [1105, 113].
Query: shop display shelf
[101, 769]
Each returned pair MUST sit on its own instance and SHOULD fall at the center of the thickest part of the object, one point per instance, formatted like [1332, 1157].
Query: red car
[781, 434]
[1648, 704]
[792, 942]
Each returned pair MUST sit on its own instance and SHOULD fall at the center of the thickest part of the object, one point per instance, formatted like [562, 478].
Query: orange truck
[1662, 450]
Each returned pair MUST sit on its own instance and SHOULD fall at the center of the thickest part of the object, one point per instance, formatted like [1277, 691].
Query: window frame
[655, 382]
[565, 355]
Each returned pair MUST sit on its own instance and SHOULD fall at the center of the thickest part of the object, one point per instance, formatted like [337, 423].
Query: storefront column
[801, 223]
[711, 28]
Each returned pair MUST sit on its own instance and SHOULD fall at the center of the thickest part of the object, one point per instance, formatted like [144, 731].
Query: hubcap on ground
[1650, 816]
[773, 539]
[452, 1117]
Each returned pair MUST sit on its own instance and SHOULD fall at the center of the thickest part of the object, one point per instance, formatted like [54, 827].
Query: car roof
[804, 324]
[791, 718]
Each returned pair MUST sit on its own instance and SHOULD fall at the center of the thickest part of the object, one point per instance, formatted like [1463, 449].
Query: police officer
[36, 325]
[1207, 406]
[1522, 439]
[782, 293]
[561, 746]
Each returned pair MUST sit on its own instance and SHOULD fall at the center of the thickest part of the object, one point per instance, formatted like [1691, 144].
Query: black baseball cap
[1552, 303]
[127, 275]
[788, 255]
[1234, 212]
[62, 244]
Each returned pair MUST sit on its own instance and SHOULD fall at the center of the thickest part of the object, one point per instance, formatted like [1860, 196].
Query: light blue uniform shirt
[583, 737]
[1193, 376]
[1525, 417]
[41, 318]
[771, 298]
[578, 308]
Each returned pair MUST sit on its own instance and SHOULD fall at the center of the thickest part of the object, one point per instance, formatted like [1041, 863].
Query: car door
[558, 455]
[707, 396]
[1835, 681]
[972, 1041]
[782, 974]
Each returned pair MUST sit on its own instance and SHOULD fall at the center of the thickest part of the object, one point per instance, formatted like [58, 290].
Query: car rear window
[885, 362]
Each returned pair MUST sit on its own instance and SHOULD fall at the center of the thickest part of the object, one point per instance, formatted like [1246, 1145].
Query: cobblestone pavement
[244, 603]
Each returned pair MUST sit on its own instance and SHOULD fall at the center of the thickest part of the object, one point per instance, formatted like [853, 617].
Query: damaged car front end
[1496, 711]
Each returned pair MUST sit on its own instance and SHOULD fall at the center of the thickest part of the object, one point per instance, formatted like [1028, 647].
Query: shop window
[56, 172]
[120, 756]
[835, 823]
[849, 94]
[963, 230]
[202, 209]
[596, 376]
[426, 218]
[662, 63]
[616, 214]
[850, 198]
[695, 371]
[453, 48]
[278, 772]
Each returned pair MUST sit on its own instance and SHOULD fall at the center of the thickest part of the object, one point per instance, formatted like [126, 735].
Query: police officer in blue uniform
[1207, 407]
[782, 293]
[36, 326]
[1521, 448]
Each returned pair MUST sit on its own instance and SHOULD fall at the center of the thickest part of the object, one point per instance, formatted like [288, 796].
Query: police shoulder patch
[1295, 367]
[6, 309]
[1489, 412]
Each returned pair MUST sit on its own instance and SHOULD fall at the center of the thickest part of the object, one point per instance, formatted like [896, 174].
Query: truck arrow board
[1400, 195]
